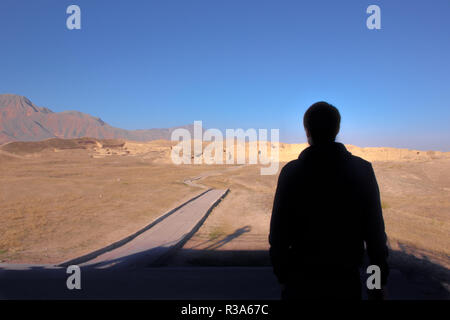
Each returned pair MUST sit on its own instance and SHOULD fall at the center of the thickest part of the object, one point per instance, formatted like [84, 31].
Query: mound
[6, 156]
[24, 148]
[291, 151]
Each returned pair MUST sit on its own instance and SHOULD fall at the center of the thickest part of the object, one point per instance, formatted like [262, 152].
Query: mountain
[21, 120]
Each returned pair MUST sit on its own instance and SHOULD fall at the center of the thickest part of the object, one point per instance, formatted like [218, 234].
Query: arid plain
[65, 198]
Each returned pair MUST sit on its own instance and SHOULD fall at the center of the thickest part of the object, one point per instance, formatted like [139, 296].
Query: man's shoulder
[292, 165]
[359, 162]
[290, 172]
[359, 168]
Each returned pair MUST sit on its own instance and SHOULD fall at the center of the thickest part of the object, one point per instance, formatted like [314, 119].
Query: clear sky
[238, 64]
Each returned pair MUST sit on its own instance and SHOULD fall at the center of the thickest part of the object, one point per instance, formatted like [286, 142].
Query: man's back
[326, 206]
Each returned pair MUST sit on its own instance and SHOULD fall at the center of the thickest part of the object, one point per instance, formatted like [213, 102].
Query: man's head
[322, 122]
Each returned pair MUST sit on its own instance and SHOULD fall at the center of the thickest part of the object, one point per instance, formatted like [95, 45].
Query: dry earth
[61, 200]
[64, 198]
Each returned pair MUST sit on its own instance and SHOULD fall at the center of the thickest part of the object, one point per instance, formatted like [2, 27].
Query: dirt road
[152, 246]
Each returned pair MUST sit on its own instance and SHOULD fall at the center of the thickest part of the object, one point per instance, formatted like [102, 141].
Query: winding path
[154, 243]
[152, 246]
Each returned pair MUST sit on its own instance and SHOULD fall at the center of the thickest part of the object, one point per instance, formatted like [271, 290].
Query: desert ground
[61, 201]
[65, 198]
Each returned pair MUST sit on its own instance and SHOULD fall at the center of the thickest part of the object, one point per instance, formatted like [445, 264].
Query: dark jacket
[327, 205]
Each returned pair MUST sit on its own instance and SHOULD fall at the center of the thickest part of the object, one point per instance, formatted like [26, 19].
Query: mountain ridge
[21, 120]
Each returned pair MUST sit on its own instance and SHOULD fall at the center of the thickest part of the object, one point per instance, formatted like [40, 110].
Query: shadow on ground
[412, 277]
[206, 274]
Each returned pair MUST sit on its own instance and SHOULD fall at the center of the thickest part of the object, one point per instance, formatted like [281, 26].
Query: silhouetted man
[326, 207]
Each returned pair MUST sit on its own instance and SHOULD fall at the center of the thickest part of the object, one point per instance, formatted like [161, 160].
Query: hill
[21, 120]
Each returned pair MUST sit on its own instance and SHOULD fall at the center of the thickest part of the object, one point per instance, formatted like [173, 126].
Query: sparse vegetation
[59, 205]
[415, 209]
[216, 233]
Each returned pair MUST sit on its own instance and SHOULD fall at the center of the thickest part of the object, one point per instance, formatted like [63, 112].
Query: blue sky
[238, 64]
